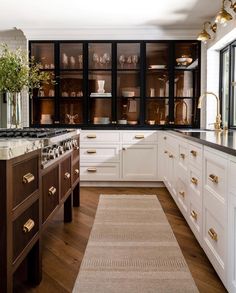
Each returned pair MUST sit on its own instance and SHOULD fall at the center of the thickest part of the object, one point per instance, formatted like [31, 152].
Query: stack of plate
[46, 119]
[101, 120]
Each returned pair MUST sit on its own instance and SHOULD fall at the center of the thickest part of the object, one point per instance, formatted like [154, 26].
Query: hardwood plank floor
[64, 244]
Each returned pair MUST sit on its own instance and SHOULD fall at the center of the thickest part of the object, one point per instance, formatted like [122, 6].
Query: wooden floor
[64, 244]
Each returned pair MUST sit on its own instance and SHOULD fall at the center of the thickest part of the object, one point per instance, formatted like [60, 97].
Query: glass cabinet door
[186, 88]
[128, 83]
[157, 83]
[100, 82]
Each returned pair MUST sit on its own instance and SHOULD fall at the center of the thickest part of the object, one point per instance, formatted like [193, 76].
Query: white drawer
[195, 218]
[232, 179]
[214, 240]
[182, 193]
[99, 153]
[195, 183]
[139, 137]
[99, 172]
[100, 136]
[215, 175]
[195, 155]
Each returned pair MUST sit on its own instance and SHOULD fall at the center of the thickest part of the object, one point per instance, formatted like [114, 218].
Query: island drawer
[65, 176]
[75, 171]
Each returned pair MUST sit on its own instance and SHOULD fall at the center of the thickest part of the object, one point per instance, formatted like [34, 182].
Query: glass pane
[157, 55]
[186, 55]
[100, 56]
[157, 83]
[44, 54]
[71, 84]
[71, 56]
[128, 111]
[225, 88]
[128, 56]
[71, 111]
[128, 84]
[157, 111]
[100, 83]
[183, 111]
[183, 84]
[43, 111]
[100, 110]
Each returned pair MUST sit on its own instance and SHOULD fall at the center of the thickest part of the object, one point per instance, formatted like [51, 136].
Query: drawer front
[214, 241]
[24, 228]
[50, 189]
[25, 178]
[182, 193]
[75, 172]
[98, 153]
[195, 183]
[195, 218]
[215, 175]
[195, 155]
[139, 137]
[232, 172]
[103, 171]
[99, 136]
[65, 176]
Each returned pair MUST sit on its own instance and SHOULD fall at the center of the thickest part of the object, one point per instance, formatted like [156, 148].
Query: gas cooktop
[32, 132]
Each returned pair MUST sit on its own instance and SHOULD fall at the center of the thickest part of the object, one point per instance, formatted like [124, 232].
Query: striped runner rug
[132, 249]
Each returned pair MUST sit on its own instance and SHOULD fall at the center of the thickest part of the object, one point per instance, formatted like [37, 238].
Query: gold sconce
[224, 16]
[204, 36]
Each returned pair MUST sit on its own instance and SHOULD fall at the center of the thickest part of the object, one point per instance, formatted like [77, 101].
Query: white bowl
[128, 94]
[122, 121]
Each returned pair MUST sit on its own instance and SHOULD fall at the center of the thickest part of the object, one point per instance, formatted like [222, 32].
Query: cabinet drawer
[25, 179]
[50, 189]
[195, 218]
[100, 136]
[75, 172]
[103, 171]
[139, 137]
[65, 176]
[98, 153]
[195, 155]
[214, 241]
[182, 193]
[232, 172]
[24, 228]
[195, 183]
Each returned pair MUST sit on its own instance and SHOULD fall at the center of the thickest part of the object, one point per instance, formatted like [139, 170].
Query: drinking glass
[122, 61]
[135, 60]
[95, 59]
[80, 60]
[107, 58]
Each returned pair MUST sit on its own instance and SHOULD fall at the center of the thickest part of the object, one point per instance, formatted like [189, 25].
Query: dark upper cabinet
[123, 83]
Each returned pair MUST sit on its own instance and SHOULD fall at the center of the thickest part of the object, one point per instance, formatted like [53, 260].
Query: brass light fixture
[223, 16]
[204, 36]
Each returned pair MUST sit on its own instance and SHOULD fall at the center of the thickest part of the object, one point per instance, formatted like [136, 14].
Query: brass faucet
[217, 124]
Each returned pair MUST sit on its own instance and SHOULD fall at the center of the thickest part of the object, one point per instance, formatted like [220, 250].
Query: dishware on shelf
[162, 122]
[135, 60]
[122, 121]
[101, 84]
[64, 94]
[151, 122]
[71, 118]
[73, 94]
[129, 60]
[64, 60]
[152, 92]
[95, 58]
[79, 94]
[132, 122]
[80, 60]
[101, 120]
[107, 58]
[122, 60]
[128, 94]
[100, 95]
[46, 119]
[46, 66]
[51, 93]
[155, 66]
[184, 60]
[52, 66]
[41, 93]
[72, 61]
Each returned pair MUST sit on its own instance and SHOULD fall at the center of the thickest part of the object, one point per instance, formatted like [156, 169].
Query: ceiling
[106, 13]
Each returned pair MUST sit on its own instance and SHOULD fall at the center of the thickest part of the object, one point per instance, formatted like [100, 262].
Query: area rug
[132, 249]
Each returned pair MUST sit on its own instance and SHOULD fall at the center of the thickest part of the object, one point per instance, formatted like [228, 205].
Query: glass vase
[15, 110]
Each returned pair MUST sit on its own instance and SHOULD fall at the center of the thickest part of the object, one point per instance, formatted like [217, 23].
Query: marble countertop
[224, 141]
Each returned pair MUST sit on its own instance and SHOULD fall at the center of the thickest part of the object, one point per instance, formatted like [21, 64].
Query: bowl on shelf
[128, 94]
[101, 120]
[132, 122]
[122, 121]
[184, 60]
[156, 66]
[151, 122]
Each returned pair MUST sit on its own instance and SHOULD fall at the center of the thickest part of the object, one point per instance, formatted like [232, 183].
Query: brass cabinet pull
[92, 170]
[165, 152]
[76, 148]
[164, 137]
[139, 136]
[28, 226]
[91, 151]
[171, 156]
[67, 175]
[194, 215]
[212, 233]
[52, 190]
[213, 178]
[194, 180]
[182, 193]
[194, 153]
[27, 178]
[76, 171]
[182, 156]
[91, 136]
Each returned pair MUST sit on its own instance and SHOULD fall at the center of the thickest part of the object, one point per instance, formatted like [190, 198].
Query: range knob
[61, 150]
[56, 151]
[52, 154]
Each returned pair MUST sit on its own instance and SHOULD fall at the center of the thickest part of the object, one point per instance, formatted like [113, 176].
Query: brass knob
[91, 136]
[182, 193]
[164, 137]
[52, 190]
[193, 153]
[213, 178]
[91, 151]
[171, 156]
[92, 170]
[165, 152]
[194, 215]
[194, 180]
[76, 171]
[212, 233]
[139, 136]
[76, 148]
[67, 175]
[27, 178]
[28, 226]
[182, 156]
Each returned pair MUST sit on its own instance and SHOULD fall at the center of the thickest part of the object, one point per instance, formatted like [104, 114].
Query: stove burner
[32, 132]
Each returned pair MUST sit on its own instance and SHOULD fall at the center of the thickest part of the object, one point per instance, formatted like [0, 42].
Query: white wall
[14, 39]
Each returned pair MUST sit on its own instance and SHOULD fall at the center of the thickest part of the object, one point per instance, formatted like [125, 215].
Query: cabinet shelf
[122, 68]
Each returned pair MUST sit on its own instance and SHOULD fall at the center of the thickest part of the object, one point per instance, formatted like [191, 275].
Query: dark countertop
[224, 141]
